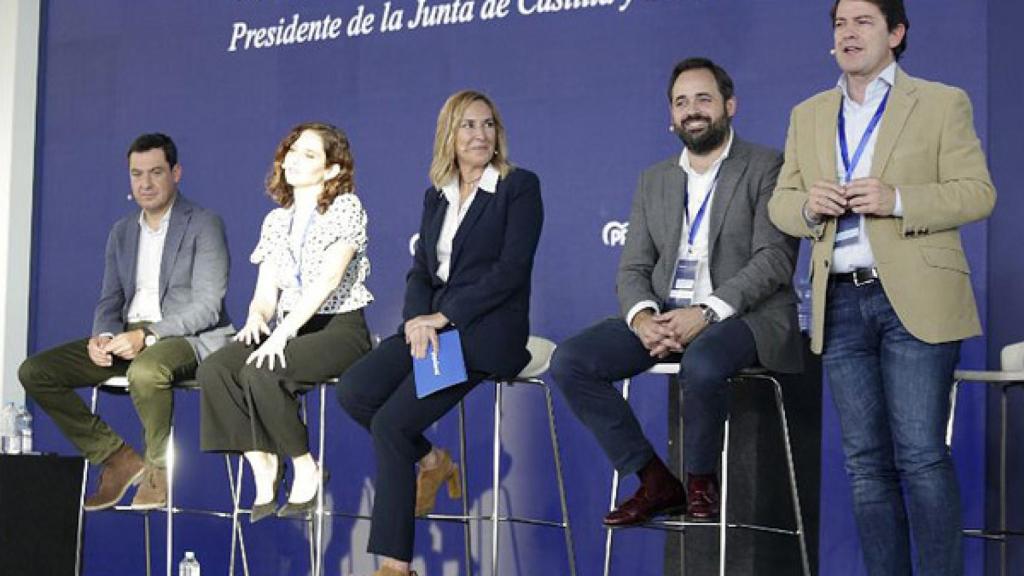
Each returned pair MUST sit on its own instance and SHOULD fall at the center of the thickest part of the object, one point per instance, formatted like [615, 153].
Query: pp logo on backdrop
[614, 233]
[412, 243]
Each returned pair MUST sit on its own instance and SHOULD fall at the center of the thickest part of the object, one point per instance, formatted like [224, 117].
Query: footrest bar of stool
[351, 515]
[534, 522]
[982, 535]
[768, 529]
[453, 518]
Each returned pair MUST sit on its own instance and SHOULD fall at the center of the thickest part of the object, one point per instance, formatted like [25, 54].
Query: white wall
[19, 51]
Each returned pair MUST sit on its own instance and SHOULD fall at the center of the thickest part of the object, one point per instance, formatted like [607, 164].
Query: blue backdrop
[582, 92]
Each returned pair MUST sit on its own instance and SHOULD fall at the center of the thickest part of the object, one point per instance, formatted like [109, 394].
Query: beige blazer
[927, 148]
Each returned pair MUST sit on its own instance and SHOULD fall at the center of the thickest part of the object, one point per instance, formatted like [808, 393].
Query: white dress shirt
[858, 254]
[698, 186]
[456, 212]
[145, 306]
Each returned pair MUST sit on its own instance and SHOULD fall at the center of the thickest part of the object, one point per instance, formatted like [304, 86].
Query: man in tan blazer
[879, 174]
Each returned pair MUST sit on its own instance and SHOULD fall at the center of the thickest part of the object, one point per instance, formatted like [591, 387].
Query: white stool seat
[540, 350]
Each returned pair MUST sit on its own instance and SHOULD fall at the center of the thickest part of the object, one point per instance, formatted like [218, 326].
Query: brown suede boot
[429, 481]
[152, 492]
[121, 470]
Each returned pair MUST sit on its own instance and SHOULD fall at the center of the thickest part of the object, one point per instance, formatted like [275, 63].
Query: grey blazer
[193, 278]
[752, 262]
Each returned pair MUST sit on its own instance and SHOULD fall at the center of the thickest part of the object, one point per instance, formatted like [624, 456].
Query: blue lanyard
[291, 252]
[848, 164]
[695, 225]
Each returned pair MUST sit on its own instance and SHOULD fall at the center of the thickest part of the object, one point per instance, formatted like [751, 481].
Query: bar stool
[746, 375]
[119, 385]
[1010, 375]
[540, 351]
[317, 518]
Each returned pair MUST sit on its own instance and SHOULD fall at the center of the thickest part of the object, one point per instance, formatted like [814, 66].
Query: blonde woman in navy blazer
[481, 222]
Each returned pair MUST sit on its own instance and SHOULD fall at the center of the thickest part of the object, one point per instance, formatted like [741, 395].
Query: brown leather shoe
[429, 481]
[121, 470]
[660, 493]
[152, 492]
[702, 495]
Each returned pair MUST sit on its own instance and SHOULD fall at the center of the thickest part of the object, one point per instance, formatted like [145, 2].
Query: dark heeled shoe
[303, 509]
[261, 511]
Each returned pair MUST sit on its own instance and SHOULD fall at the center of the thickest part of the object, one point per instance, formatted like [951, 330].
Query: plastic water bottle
[24, 429]
[7, 431]
[188, 566]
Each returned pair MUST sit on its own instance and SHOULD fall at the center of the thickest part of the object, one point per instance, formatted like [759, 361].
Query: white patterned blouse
[343, 221]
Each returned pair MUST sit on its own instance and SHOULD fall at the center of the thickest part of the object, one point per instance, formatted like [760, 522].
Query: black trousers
[248, 408]
[586, 365]
[380, 394]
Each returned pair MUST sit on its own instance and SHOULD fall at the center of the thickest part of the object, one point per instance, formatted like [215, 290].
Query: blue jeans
[892, 394]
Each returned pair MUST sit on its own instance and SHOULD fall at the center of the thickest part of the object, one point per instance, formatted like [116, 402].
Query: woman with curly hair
[311, 289]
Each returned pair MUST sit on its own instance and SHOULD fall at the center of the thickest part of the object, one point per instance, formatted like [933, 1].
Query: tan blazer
[927, 148]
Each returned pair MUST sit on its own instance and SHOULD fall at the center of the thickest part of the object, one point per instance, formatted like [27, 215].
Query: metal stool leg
[567, 529]
[237, 537]
[146, 541]
[169, 464]
[608, 532]
[466, 531]
[81, 498]
[304, 403]
[1003, 412]
[793, 486]
[318, 569]
[723, 507]
[496, 479]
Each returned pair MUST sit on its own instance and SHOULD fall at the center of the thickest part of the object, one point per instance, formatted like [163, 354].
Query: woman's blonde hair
[444, 165]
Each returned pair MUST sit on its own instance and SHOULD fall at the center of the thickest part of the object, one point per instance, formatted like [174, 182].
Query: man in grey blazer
[161, 310]
[704, 280]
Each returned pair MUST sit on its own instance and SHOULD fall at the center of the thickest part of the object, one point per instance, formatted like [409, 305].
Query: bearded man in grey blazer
[705, 280]
[161, 310]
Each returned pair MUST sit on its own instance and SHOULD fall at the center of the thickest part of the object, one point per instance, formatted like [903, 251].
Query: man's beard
[712, 137]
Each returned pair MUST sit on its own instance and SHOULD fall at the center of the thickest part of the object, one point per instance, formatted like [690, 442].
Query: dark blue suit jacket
[487, 297]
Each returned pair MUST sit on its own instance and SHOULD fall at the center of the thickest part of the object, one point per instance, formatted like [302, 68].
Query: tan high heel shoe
[429, 481]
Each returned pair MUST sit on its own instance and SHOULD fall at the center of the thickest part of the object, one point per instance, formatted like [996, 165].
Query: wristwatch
[151, 337]
[710, 316]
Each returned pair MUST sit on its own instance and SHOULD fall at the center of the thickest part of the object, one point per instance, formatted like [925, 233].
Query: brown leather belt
[858, 277]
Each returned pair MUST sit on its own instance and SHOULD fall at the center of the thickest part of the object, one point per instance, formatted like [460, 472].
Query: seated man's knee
[567, 361]
[34, 374]
[146, 376]
[700, 376]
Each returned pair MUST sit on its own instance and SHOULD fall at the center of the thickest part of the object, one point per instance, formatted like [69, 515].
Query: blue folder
[440, 369]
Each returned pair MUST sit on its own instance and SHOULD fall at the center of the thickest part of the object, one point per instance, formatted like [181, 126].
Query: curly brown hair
[336, 151]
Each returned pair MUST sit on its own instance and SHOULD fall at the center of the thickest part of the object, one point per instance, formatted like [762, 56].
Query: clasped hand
[421, 331]
[860, 196]
[668, 332]
[126, 345]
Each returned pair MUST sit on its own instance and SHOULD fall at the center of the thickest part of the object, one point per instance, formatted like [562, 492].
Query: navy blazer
[487, 296]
